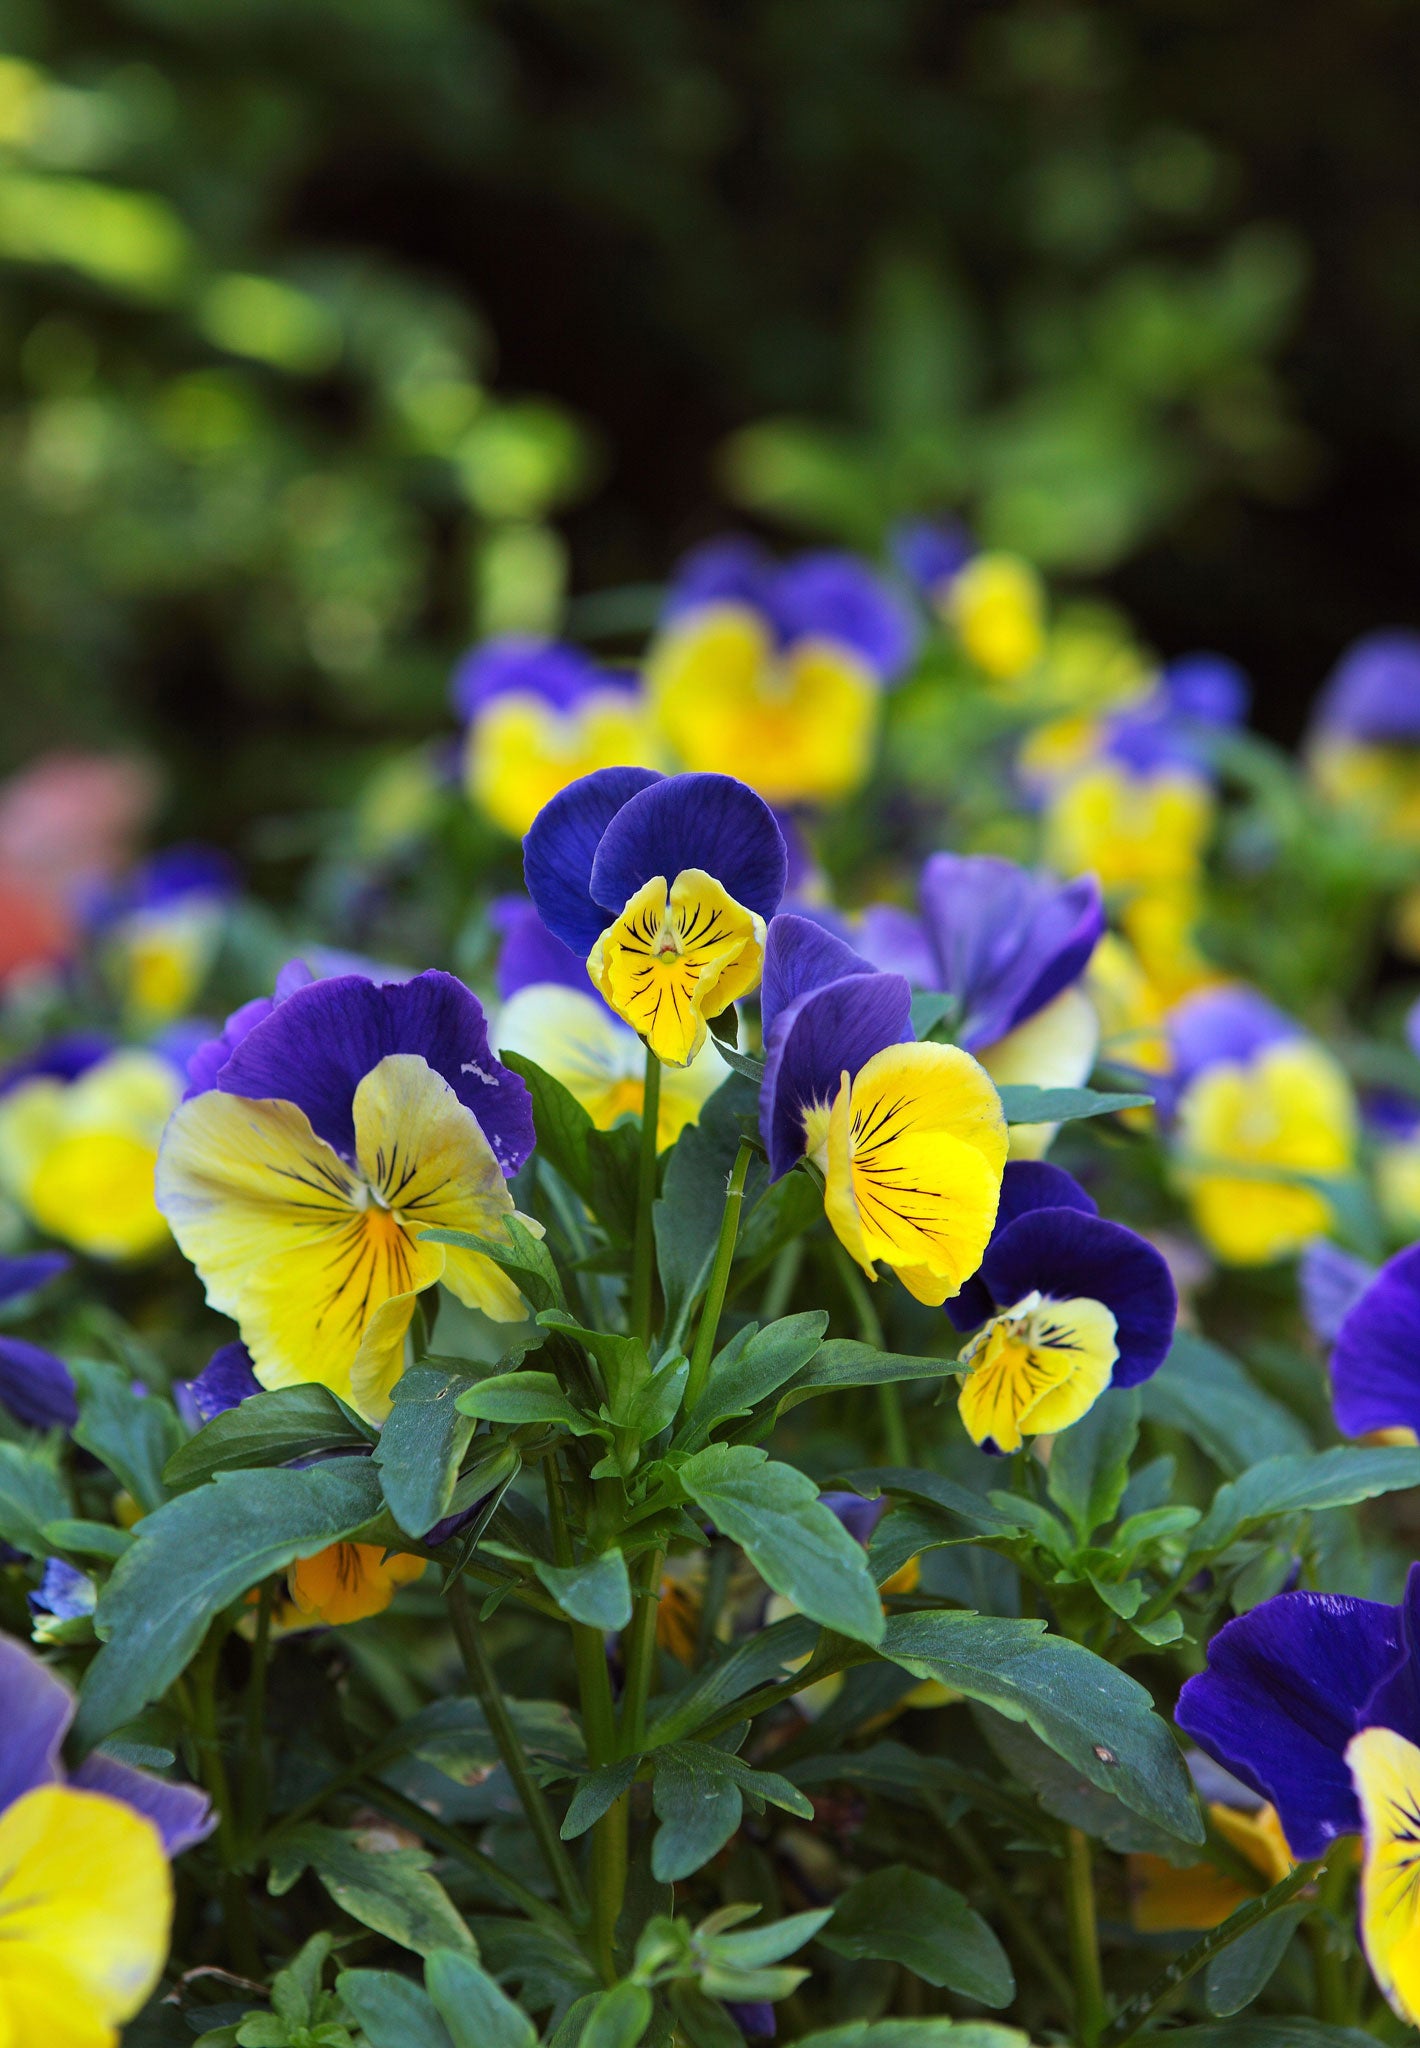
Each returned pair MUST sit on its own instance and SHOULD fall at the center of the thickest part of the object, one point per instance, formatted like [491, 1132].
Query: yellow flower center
[1036, 1368]
[675, 956]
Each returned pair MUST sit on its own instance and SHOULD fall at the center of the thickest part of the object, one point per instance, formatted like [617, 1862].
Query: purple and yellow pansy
[343, 1125]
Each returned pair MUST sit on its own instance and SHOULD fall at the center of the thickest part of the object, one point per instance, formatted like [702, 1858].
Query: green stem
[782, 1275]
[1328, 1960]
[1027, 1938]
[236, 1906]
[1139, 2011]
[643, 1250]
[510, 1749]
[254, 1787]
[1084, 1938]
[639, 1643]
[896, 1443]
[719, 1278]
[453, 1844]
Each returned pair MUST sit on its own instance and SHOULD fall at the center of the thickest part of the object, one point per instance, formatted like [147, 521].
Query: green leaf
[1242, 1971]
[843, 1362]
[87, 1539]
[1068, 1796]
[1336, 1478]
[748, 1065]
[520, 1253]
[1269, 2033]
[919, 2034]
[32, 1494]
[453, 1735]
[597, 1592]
[624, 1362]
[196, 1554]
[1095, 1716]
[597, 1793]
[1214, 1400]
[296, 1988]
[521, 1397]
[751, 1367]
[900, 1915]
[476, 2010]
[698, 1797]
[562, 1125]
[796, 1544]
[133, 1434]
[619, 2018]
[978, 1515]
[687, 1216]
[422, 1444]
[1089, 1461]
[1024, 1104]
[766, 1656]
[392, 2011]
[613, 1163]
[390, 1890]
[935, 1012]
[268, 1429]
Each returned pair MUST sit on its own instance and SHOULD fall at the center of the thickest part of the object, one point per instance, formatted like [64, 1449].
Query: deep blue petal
[561, 846]
[36, 1387]
[1282, 1697]
[1026, 1184]
[1395, 1701]
[530, 953]
[60, 1059]
[818, 1038]
[1373, 693]
[1005, 941]
[1331, 1282]
[859, 1516]
[316, 1047]
[1375, 1366]
[897, 941]
[1067, 1253]
[37, 1710]
[1224, 1024]
[931, 551]
[1208, 688]
[227, 1379]
[834, 596]
[729, 570]
[799, 955]
[520, 664]
[686, 821]
[63, 1591]
[181, 1813]
[36, 1269]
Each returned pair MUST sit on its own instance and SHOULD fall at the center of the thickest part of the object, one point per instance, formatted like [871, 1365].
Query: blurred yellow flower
[1133, 831]
[601, 1062]
[521, 750]
[78, 1156]
[997, 604]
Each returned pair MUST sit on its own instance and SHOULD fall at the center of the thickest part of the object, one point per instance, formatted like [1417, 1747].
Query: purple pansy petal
[522, 664]
[1068, 1254]
[561, 846]
[730, 570]
[182, 1814]
[818, 1038]
[1208, 688]
[316, 1048]
[799, 955]
[711, 822]
[1281, 1698]
[832, 596]
[1375, 1366]
[897, 941]
[1395, 1702]
[1224, 1024]
[213, 1054]
[36, 1387]
[931, 552]
[530, 953]
[227, 1379]
[1025, 1185]
[24, 1275]
[859, 1517]
[755, 2021]
[175, 874]
[1005, 941]
[1331, 1282]
[63, 1591]
[1373, 693]
[1150, 741]
[61, 1059]
[37, 1710]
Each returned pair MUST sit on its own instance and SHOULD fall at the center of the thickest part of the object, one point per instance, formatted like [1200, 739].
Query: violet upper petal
[819, 1037]
[1282, 1697]
[531, 953]
[1025, 1185]
[829, 594]
[897, 942]
[37, 1709]
[561, 846]
[1373, 693]
[316, 1047]
[1224, 1024]
[1005, 941]
[34, 1270]
[1068, 1254]
[523, 664]
[799, 955]
[36, 1387]
[728, 570]
[711, 822]
[1331, 1282]
[182, 1814]
[1375, 1365]
[227, 1379]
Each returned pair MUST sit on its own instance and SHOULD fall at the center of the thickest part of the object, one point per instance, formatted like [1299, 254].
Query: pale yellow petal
[1055, 1048]
[1385, 1770]
[675, 956]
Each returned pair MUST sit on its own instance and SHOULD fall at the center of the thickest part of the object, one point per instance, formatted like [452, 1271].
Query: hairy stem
[719, 1278]
[1084, 1939]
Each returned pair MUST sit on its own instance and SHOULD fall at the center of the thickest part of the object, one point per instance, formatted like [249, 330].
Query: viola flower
[1375, 1362]
[343, 1125]
[159, 929]
[778, 671]
[64, 1596]
[86, 1896]
[79, 1133]
[207, 1058]
[36, 1387]
[1312, 1699]
[1068, 1304]
[1164, 1899]
[664, 885]
[1137, 829]
[540, 715]
[910, 1139]
[555, 1019]
[348, 1582]
[1012, 947]
[997, 604]
[1258, 1097]
[1363, 747]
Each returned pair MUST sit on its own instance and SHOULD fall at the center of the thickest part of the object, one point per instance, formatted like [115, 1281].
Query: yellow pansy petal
[349, 1581]
[1037, 1369]
[601, 1063]
[800, 726]
[284, 1235]
[914, 1156]
[997, 604]
[95, 1191]
[379, 1359]
[675, 957]
[86, 1907]
[1055, 1048]
[521, 751]
[79, 1156]
[1132, 831]
[1257, 1835]
[1385, 1770]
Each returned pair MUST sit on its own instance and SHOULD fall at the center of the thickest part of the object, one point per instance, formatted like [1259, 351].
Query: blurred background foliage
[334, 335]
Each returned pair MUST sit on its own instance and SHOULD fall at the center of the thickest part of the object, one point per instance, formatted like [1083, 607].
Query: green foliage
[901, 1915]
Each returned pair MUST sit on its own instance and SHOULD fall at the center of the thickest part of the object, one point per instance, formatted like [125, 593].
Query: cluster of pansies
[887, 990]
